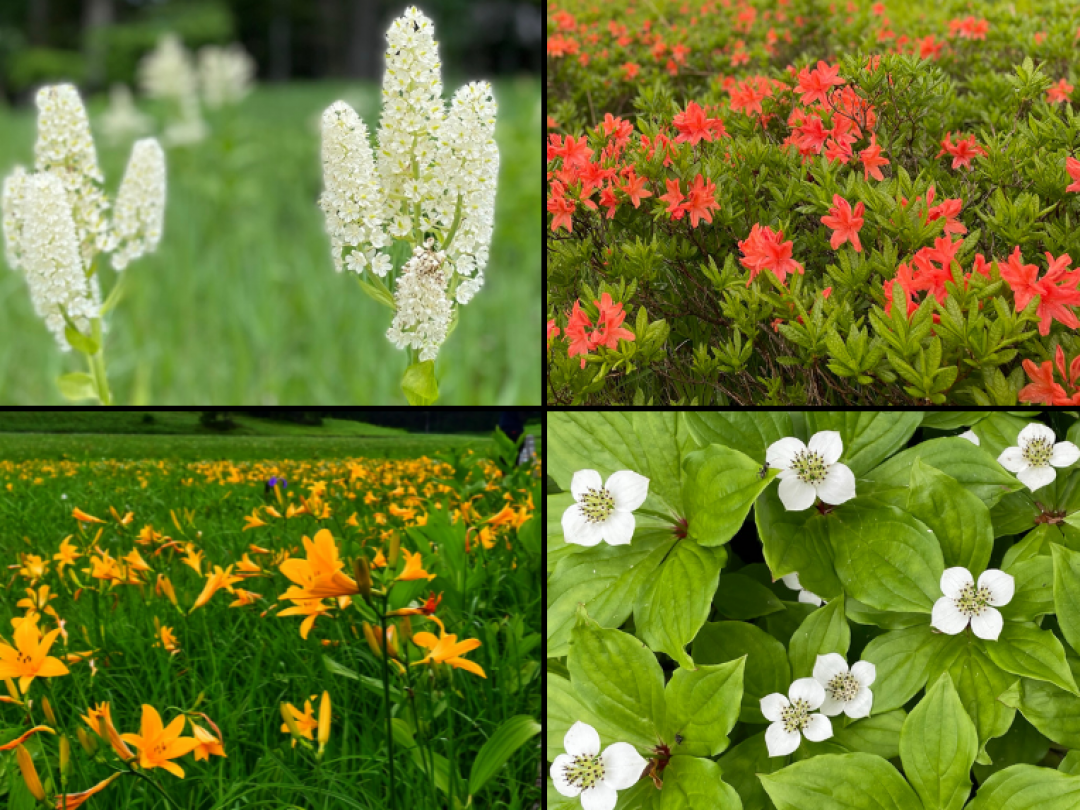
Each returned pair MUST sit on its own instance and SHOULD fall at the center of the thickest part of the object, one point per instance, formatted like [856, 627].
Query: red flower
[963, 151]
[747, 98]
[813, 85]
[561, 207]
[1042, 390]
[1055, 300]
[839, 150]
[610, 330]
[810, 137]
[552, 331]
[845, 223]
[906, 282]
[765, 249]
[574, 152]
[635, 187]
[1059, 92]
[693, 125]
[673, 197]
[700, 201]
[871, 158]
[1072, 166]
[580, 340]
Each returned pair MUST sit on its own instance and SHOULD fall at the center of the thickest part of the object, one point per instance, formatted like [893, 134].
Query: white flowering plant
[412, 217]
[903, 634]
[57, 229]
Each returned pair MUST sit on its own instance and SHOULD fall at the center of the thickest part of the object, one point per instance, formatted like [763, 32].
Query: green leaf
[702, 708]
[999, 431]
[650, 443]
[951, 420]
[1028, 787]
[938, 745]
[1022, 743]
[720, 485]
[902, 659]
[750, 433]
[439, 771]
[606, 579]
[80, 342]
[1014, 514]
[1034, 594]
[617, 678]
[824, 631]
[840, 782]
[1067, 592]
[869, 437]
[864, 614]
[878, 735]
[419, 383]
[691, 783]
[377, 290]
[674, 604]
[766, 670]
[740, 597]
[1071, 763]
[1052, 710]
[797, 542]
[373, 684]
[971, 466]
[959, 520]
[77, 385]
[564, 708]
[1025, 650]
[513, 733]
[741, 766]
[885, 557]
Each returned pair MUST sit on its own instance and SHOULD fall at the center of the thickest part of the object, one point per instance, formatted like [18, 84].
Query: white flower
[584, 771]
[225, 74]
[1034, 459]
[792, 581]
[965, 602]
[846, 691]
[809, 472]
[140, 204]
[970, 436]
[423, 312]
[791, 719]
[603, 511]
[381, 264]
[123, 120]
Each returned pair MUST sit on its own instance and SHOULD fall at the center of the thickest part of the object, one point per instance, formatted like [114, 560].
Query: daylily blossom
[808, 472]
[791, 717]
[30, 658]
[158, 744]
[593, 775]
[446, 649]
[70, 801]
[1036, 454]
[845, 223]
[603, 511]
[80, 515]
[805, 596]
[846, 690]
[207, 743]
[304, 721]
[965, 602]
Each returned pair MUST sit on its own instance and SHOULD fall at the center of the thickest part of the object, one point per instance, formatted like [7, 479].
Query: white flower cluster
[123, 120]
[423, 310]
[226, 74]
[55, 222]
[433, 178]
[168, 73]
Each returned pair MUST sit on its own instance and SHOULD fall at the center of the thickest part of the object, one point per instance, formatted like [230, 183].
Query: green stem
[101, 381]
[453, 226]
[426, 754]
[386, 704]
[157, 787]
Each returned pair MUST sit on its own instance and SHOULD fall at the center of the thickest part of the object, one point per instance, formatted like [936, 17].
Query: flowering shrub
[896, 626]
[801, 205]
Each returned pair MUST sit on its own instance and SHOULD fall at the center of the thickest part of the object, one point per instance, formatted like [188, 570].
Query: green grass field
[238, 664]
[241, 305]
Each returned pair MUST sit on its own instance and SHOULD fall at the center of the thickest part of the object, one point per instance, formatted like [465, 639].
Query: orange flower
[100, 721]
[446, 649]
[208, 743]
[845, 223]
[214, 583]
[70, 801]
[193, 558]
[320, 575]
[304, 721]
[414, 567]
[23, 737]
[253, 521]
[311, 608]
[79, 514]
[157, 745]
[67, 554]
[123, 521]
[29, 658]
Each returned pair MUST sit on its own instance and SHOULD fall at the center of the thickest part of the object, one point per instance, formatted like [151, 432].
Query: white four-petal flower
[965, 601]
[791, 717]
[792, 581]
[811, 471]
[1036, 455]
[603, 511]
[584, 771]
[846, 691]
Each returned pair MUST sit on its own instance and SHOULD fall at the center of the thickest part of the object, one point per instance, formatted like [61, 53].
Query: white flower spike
[846, 690]
[594, 776]
[603, 511]
[965, 602]
[792, 719]
[808, 597]
[808, 472]
[1036, 455]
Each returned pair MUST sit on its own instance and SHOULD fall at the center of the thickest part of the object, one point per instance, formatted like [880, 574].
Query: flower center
[843, 687]
[810, 467]
[585, 771]
[597, 504]
[796, 716]
[973, 601]
[1037, 452]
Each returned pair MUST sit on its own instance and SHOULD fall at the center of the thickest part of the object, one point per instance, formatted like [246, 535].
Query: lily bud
[88, 743]
[290, 721]
[324, 721]
[47, 708]
[395, 549]
[65, 755]
[362, 575]
[29, 773]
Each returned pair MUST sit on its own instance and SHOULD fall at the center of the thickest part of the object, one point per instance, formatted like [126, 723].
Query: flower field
[324, 631]
[804, 202]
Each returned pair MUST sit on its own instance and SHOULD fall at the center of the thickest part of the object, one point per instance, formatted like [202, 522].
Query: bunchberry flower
[966, 602]
[846, 690]
[603, 511]
[1036, 455]
[805, 596]
[792, 719]
[808, 472]
[593, 775]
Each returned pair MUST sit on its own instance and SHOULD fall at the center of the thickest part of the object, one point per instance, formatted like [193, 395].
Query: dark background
[101, 41]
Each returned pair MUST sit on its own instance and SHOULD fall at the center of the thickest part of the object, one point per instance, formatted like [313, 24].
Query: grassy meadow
[227, 658]
[241, 305]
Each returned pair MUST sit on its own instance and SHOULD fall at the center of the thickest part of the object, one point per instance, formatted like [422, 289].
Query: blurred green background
[240, 304]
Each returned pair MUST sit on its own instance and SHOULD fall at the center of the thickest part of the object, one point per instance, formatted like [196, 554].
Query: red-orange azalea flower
[844, 222]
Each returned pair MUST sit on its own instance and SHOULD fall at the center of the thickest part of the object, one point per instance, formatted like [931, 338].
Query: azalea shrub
[799, 202]
[814, 609]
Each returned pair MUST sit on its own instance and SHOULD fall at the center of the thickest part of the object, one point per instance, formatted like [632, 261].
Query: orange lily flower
[23, 737]
[123, 521]
[311, 608]
[67, 554]
[70, 801]
[304, 721]
[33, 568]
[100, 722]
[193, 558]
[253, 521]
[135, 561]
[30, 657]
[157, 745]
[208, 743]
[79, 514]
[244, 598]
[215, 582]
[414, 567]
[446, 649]
[380, 559]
